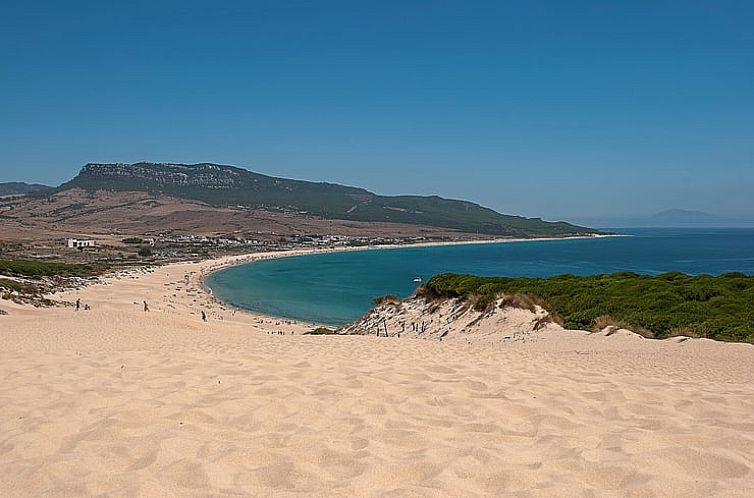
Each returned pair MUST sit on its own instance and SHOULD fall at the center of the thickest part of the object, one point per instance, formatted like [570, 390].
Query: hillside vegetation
[720, 307]
[221, 185]
[35, 269]
[29, 281]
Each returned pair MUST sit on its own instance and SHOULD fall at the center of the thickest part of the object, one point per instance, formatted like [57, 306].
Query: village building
[78, 243]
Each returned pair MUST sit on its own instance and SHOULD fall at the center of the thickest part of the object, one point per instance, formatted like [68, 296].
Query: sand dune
[119, 402]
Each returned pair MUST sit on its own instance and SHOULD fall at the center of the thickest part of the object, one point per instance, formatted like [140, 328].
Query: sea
[337, 288]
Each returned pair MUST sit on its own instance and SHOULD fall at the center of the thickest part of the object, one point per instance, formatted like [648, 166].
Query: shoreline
[180, 287]
[226, 262]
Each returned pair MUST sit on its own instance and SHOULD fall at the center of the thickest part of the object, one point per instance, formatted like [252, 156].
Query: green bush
[320, 331]
[25, 268]
[719, 307]
[19, 287]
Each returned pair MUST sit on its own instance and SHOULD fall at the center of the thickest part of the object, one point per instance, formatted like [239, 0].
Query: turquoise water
[336, 288]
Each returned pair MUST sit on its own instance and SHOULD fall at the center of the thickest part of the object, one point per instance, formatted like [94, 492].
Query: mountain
[685, 218]
[671, 218]
[230, 186]
[15, 188]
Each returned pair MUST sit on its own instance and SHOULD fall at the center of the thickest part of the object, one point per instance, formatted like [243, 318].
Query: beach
[118, 401]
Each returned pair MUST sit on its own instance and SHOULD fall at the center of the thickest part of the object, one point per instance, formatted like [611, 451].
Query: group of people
[146, 308]
[78, 305]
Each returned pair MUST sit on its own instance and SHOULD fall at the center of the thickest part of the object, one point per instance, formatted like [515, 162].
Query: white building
[76, 243]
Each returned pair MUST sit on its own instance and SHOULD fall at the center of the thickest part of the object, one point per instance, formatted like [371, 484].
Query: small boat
[417, 279]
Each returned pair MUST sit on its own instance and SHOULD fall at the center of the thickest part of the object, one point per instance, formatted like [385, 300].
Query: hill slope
[15, 188]
[220, 185]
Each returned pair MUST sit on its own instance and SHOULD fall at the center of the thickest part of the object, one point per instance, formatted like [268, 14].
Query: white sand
[118, 402]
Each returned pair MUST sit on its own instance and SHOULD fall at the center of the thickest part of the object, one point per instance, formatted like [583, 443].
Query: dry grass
[521, 301]
[481, 303]
[389, 300]
[461, 307]
[541, 322]
[601, 322]
[435, 305]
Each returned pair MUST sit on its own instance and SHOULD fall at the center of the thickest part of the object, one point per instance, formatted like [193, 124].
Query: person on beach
[146, 307]
[204, 316]
[78, 304]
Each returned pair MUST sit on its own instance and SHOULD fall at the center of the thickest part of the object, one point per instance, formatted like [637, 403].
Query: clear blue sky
[555, 109]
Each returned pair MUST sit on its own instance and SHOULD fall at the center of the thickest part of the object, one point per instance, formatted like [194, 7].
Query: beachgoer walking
[78, 304]
[204, 316]
[146, 307]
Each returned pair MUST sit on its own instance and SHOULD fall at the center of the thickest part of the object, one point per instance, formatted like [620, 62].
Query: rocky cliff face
[205, 175]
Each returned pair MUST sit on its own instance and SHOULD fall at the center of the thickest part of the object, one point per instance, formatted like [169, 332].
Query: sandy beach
[117, 401]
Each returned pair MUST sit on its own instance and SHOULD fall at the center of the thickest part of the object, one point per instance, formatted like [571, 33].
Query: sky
[564, 110]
